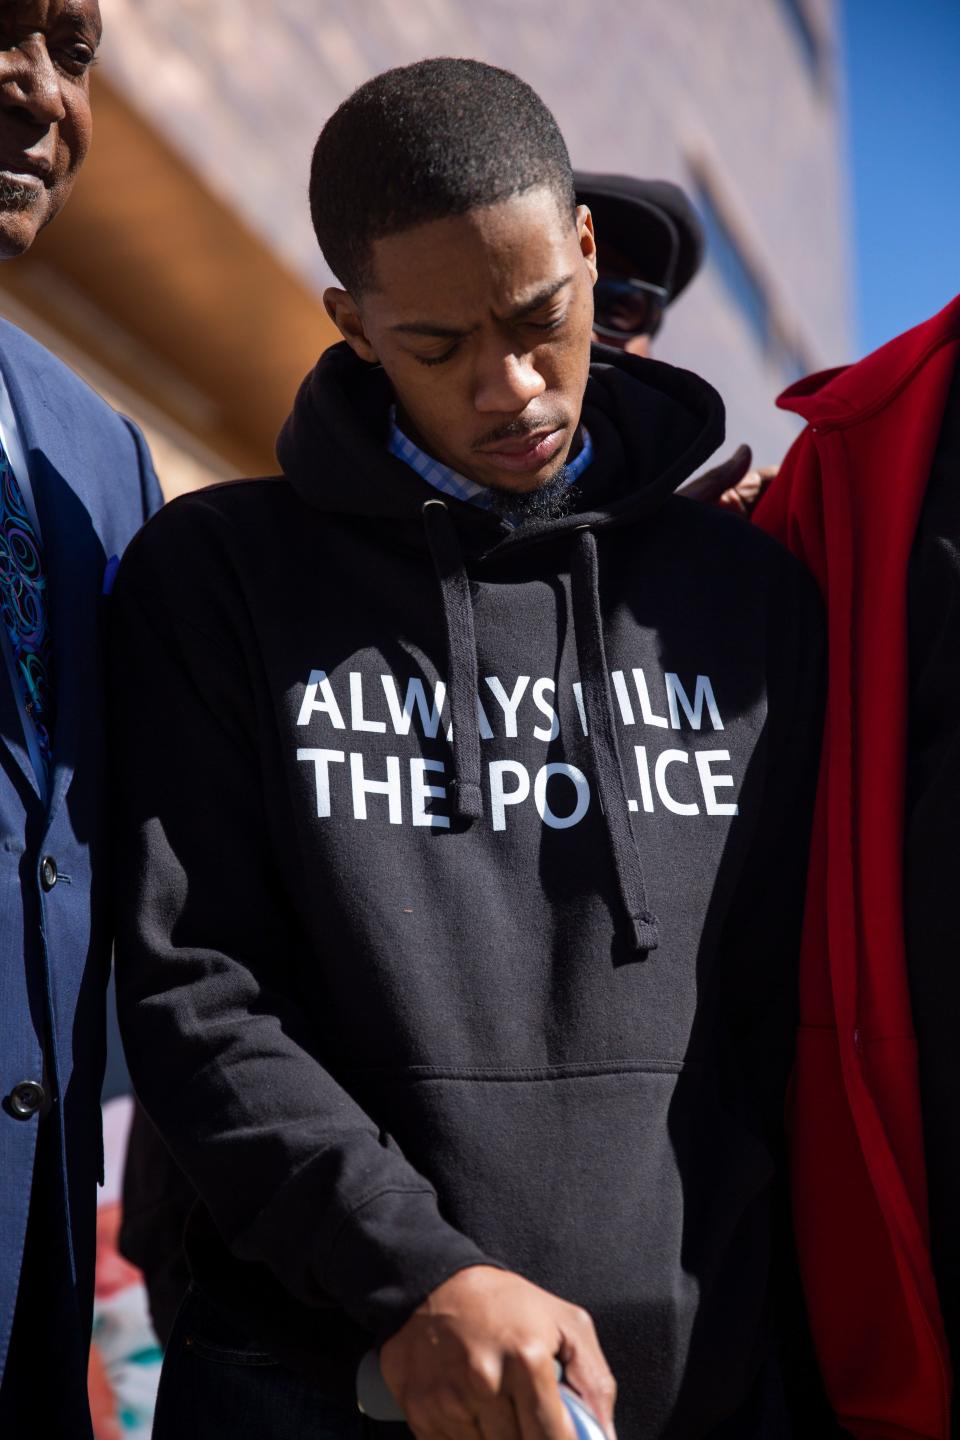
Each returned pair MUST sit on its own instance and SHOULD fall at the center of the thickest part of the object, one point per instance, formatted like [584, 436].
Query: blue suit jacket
[94, 486]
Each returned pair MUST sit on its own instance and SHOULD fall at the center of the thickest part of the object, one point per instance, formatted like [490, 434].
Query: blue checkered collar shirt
[442, 478]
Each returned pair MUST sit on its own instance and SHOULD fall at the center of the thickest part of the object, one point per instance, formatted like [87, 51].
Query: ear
[345, 314]
[588, 240]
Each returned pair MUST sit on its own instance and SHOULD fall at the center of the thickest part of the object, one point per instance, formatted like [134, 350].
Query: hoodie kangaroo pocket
[625, 1189]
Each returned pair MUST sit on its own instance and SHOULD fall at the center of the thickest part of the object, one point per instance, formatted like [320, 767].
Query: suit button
[48, 872]
[27, 1098]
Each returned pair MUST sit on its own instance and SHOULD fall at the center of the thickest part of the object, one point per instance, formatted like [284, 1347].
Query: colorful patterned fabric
[23, 607]
[441, 477]
[132, 1357]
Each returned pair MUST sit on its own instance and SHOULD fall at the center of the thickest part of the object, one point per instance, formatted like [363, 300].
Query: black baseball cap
[652, 222]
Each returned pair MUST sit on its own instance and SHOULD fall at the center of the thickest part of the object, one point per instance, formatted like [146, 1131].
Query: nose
[507, 384]
[29, 84]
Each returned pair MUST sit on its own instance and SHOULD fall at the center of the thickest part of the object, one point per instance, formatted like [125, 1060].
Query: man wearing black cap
[652, 247]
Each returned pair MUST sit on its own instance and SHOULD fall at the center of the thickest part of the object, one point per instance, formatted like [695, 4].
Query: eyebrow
[448, 332]
[76, 13]
[539, 300]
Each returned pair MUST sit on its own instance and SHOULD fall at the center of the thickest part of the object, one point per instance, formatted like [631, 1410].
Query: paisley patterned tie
[23, 606]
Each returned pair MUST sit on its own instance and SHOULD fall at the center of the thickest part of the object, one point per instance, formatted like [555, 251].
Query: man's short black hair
[424, 142]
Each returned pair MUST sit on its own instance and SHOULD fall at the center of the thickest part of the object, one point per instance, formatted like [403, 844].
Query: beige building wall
[156, 291]
[736, 97]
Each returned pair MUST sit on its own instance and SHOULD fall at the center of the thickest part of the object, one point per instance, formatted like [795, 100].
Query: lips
[529, 453]
[26, 168]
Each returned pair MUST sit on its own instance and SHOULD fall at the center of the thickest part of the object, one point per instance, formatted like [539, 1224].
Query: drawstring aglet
[467, 799]
[645, 931]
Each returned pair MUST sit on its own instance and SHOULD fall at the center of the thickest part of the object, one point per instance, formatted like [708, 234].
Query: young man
[869, 499]
[75, 483]
[464, 783]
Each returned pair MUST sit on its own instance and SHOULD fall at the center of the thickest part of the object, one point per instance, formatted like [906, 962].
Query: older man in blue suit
[75, 484]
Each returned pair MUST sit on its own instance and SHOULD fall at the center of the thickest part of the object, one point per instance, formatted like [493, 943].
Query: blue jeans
[217, 1385]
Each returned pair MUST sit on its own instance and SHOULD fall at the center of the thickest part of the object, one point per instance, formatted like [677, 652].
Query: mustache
[517, 429]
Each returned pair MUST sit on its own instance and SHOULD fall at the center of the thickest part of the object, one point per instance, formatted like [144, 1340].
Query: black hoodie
[460, 886]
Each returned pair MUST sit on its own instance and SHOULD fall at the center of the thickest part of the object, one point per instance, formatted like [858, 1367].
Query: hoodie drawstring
[463, 684]
[462, 676]
[598, 702]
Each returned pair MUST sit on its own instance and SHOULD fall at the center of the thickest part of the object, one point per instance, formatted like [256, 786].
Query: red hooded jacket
[846, 502]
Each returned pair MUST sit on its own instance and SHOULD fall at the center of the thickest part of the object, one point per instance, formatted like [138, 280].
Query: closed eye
[552, 324]
[436, 359]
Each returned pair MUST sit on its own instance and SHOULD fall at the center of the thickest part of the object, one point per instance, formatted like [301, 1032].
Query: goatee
[550, 501]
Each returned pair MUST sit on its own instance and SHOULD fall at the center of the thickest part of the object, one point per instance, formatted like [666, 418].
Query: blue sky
[903, 96]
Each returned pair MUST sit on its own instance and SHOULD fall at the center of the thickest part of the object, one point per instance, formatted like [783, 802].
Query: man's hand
[733, 485]
[744, 497]
[478, 1359]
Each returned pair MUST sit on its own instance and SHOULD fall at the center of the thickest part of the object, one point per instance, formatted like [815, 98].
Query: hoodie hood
[652, 426]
